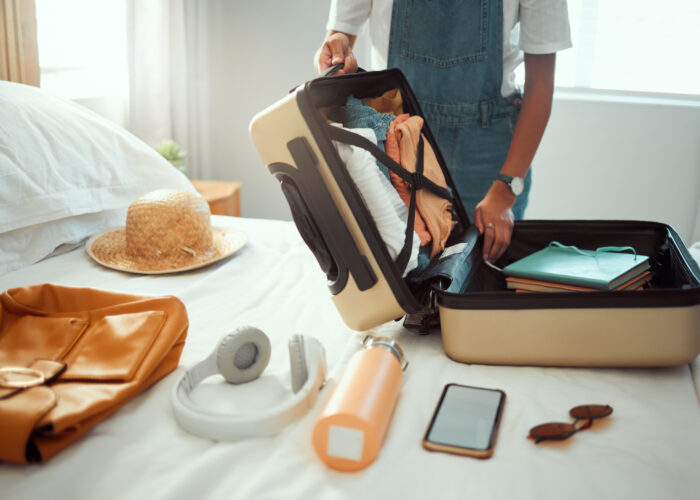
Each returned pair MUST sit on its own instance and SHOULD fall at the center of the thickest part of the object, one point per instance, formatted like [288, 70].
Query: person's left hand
[494, 219]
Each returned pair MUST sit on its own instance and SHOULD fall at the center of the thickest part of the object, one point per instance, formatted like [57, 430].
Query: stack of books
[569, 269]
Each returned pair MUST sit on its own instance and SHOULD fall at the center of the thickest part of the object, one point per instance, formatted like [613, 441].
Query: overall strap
[416, 179]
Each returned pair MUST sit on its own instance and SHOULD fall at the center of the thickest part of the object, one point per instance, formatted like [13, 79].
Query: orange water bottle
[350, 430]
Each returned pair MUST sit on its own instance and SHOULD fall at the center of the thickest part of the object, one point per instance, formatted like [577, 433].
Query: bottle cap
[389, 344]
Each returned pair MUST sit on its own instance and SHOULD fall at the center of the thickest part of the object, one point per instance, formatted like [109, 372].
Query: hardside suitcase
[482, 321]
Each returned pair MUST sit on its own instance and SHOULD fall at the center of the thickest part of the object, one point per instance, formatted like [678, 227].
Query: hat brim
[109, 249]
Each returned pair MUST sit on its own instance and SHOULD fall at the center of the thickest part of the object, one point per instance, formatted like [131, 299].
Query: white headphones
[241, 356]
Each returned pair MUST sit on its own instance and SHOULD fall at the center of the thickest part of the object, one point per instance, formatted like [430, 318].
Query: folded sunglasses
[583, 415]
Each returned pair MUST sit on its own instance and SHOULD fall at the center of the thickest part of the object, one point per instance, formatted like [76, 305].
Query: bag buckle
[417, 180]
[18, 377]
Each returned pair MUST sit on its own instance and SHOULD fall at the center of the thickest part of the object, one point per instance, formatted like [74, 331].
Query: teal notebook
[602, 269]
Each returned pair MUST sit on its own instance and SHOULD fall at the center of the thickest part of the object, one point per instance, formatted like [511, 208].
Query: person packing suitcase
[460, 58]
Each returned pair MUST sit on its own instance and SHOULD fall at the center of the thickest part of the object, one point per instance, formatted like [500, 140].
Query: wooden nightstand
[223, 197]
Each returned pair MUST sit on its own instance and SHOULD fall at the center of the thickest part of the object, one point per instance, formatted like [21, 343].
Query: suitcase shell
[484, 322]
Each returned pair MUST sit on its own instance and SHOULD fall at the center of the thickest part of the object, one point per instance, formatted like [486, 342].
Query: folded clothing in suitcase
[481, 320]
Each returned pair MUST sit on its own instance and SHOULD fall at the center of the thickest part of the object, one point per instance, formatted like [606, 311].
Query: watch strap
[505, 178]
[515, 187]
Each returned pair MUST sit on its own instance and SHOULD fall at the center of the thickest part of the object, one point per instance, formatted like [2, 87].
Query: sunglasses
[559, 430]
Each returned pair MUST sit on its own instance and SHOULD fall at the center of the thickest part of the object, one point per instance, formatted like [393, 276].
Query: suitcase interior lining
[675, 275]
[328, 95]
[673, 270]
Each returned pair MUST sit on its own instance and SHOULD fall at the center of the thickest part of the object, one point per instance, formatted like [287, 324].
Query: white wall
[601, 157]
[259, 51]
[616, 156]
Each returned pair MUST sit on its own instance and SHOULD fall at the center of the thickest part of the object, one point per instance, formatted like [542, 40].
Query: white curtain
[169, 76]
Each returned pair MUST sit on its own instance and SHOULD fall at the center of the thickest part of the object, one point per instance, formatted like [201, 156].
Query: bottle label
[345, 442]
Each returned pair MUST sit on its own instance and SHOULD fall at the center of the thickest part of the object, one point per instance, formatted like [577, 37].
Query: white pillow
[66, 173]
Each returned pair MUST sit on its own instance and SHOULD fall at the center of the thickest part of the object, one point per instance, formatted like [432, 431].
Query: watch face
[517, 185]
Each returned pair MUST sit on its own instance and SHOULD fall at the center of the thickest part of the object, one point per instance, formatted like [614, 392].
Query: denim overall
[451, 52]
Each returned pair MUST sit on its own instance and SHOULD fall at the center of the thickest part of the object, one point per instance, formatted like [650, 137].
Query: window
[82, 48]
[633, 45]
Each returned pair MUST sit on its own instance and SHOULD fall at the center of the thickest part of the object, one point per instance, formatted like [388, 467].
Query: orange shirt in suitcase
[436, 211]
[391, 146]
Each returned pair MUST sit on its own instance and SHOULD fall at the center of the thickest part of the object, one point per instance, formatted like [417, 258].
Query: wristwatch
[516, 184]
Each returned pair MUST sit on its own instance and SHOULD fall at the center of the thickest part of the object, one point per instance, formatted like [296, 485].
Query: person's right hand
[336, 49]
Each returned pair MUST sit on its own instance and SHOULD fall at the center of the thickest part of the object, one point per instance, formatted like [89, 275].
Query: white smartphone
[465, 421]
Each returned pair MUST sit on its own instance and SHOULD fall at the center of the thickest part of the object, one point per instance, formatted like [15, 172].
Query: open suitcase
[480, 319]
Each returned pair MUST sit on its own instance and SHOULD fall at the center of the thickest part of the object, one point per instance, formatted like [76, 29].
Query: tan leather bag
[70, 357]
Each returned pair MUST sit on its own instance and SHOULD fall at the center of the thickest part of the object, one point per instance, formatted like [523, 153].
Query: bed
[648, 448]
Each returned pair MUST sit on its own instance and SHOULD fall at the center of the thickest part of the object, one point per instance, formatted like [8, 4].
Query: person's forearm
[534, 115]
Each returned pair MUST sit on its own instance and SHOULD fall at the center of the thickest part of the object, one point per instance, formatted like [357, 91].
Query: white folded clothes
[389, 212]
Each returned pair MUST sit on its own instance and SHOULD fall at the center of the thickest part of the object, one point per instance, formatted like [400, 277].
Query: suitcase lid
[330, 92]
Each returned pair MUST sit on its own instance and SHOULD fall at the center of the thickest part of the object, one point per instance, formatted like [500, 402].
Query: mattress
[648, 448]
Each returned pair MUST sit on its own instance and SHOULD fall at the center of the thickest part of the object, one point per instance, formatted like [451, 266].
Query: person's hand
[494, 219]
[336, 49]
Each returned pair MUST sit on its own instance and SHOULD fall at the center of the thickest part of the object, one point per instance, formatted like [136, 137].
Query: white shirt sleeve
[544, 26]
[348, 16]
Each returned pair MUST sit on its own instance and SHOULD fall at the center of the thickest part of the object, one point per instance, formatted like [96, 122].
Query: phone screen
[466, 419]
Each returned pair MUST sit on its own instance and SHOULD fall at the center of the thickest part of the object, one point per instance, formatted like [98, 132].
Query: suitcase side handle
[331, 70]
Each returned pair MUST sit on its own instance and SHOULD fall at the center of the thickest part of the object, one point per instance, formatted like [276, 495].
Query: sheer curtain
[169, 76]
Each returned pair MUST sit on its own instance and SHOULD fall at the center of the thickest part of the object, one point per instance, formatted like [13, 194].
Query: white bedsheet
[649, 447]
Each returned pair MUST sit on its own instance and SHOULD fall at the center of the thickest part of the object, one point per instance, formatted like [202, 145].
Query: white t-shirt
[532, 26]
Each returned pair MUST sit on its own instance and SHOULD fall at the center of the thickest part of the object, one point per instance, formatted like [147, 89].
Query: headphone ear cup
[243, 355]
[297, 362]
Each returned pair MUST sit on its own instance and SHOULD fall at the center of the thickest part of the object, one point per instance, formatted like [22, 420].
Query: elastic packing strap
[405, 253]
[573, 248]
[416, 179]
[593, 253]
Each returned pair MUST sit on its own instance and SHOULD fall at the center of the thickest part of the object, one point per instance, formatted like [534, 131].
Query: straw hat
[166, 231]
